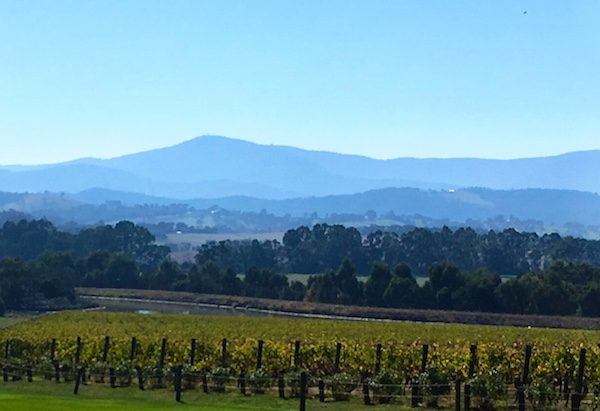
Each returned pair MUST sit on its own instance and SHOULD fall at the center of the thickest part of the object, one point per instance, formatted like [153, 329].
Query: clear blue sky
[381, 78]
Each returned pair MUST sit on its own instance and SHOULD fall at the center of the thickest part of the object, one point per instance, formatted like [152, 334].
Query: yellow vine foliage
[501, 349]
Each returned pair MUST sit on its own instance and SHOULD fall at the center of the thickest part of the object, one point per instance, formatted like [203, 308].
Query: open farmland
[197, 239]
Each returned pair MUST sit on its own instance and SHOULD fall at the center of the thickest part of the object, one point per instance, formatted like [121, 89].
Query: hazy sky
[386, 79]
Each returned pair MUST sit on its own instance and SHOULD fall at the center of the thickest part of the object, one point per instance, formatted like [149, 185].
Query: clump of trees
[40, 267]
[562, 289]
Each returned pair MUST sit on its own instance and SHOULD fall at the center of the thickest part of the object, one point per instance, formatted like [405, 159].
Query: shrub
[436, 383]
[342, 384]
[220, 377]
[292, 379]
[487, 388]
[259, 381]
[542, 395]
[386, 385]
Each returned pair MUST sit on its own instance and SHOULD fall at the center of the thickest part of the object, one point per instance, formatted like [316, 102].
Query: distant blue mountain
[555, 208]
[550, 206]
[214, 167]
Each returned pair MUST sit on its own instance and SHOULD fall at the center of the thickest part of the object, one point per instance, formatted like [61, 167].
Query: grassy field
[303, 278]
[13, 319]
[197, 239]
[46, 396]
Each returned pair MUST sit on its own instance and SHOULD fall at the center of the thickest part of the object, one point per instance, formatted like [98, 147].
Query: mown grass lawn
[48, 396]
[7, 321]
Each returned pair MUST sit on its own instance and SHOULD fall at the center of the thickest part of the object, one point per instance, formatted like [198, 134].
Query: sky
[422, 78]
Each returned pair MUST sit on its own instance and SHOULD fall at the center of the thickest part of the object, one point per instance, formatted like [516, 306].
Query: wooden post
[133, 349]
[112, 377]
[521, 395]
[303, 391]
[321, 390]
[204, 383]
[78, 379]
[242, 383]
[472, 360]
[365, 389]
[422, 369]
[29, 374]
[163, 353]
[424, 355]
[524, 379]
[56, 371]
[177, 383]
[472, 367]
[105, 356]
[140, 377]
[526, 365]
[578, 394]
[224, 353]
[106, 348]
[467, 397]
[6, 356]
[296, 354]
[193, 352]
[78, 351]
[259, 354]
[161, 360]
[377, 358]
[457, 395]
[566, 388]
[53, 349]
[414, 394]
[281, 386]
[338, 354]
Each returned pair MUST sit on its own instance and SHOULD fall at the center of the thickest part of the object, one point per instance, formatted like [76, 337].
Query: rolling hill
[552, 207]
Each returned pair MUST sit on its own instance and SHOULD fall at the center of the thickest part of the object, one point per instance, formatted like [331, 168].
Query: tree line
[561, 289]
[41, 266]
[324, 247]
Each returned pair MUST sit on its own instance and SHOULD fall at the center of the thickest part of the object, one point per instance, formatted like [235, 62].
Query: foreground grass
[47, 396]
[10, 320]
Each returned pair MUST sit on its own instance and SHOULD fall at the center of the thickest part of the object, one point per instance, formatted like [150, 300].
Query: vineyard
[410, 364]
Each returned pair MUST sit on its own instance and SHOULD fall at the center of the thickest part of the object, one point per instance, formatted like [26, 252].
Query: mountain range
[215, 167]
[554, 207]
[183, 183]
